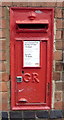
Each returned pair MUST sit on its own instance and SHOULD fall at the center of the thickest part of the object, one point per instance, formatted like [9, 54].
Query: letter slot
[32, 27]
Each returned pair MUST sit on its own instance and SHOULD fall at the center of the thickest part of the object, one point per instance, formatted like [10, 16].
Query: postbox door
[30, 77]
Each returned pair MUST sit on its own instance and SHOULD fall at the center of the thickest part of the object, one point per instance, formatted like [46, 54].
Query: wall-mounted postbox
[31, 43]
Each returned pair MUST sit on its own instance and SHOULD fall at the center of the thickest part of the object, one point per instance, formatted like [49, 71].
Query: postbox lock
[19, 79]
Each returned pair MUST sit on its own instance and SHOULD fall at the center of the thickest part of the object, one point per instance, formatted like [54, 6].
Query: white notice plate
[31, 55]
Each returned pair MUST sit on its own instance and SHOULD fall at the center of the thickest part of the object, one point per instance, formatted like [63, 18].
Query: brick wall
[58, 62]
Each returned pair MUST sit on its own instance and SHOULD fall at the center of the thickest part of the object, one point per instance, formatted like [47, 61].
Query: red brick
[0, 3]
[62, 75]
[3, 86]
[29, 3]
[4, 76]
[2, 12]
[15, 3]
[63, 23]
[7, 3]
[63, 13]
[58, 66]
[63, 96]
[59, 24]
[39, 4]
[21, 3]
[58, 34]
[56, 76]
[59, 86]
[51, 4]
[58, 55]
[58, 96]
[2, 33]
[59, 45]
[4, 101]
[2, 66]
[2, 55]
[2, 23]
[34, 4]
[63, 35]
[59, 105]
[63, 4]
[58, 12]
[46, 4]
[63, 45]
[2, 44]
[59, 4]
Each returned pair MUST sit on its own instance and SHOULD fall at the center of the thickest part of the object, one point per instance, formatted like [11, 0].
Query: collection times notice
[31, 55]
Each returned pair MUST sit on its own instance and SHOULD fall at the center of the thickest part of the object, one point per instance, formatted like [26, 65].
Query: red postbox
[31, 46]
